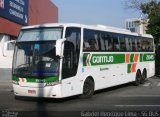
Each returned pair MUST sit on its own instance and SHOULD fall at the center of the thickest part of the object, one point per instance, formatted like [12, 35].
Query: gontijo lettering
[103, 59]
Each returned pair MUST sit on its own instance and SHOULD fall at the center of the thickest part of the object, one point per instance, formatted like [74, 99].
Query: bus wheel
[144, 76]
[138, 78]
[88, 89]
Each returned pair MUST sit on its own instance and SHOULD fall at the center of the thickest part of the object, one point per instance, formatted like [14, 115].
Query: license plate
[32, 91]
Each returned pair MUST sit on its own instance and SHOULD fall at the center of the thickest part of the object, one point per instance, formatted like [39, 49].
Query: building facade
[137, 25]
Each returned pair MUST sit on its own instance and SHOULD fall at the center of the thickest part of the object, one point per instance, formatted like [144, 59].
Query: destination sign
[15, 10]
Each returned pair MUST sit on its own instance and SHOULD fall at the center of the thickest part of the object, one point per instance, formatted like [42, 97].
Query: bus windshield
[35, 59]
[35, 53]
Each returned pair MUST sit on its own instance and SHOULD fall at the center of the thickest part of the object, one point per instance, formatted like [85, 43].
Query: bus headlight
[15, 82]
[52, 83]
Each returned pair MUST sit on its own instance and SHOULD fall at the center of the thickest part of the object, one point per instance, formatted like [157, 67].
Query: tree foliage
[151, 8]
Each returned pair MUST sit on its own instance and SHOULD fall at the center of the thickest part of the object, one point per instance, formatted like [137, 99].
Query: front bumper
[45, 92]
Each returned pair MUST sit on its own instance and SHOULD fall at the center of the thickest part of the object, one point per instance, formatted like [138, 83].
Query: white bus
[62, 60]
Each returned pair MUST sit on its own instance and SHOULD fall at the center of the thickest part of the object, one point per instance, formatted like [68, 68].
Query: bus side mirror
[60, 47]
[5, 51]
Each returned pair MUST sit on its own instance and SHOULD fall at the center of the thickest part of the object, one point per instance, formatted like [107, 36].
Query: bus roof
[94, 27]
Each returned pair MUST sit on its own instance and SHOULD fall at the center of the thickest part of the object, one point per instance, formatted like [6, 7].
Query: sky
[104, 12]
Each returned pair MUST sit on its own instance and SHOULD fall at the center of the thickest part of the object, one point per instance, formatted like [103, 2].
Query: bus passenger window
[106, 42]
[93, 45]
[85, 45]
[110, 46]
[150, 45]
[129, 44]
[116, 44]
[122, 44]
[144, 45]
[133, 45]
[91, 40]
[139, 45]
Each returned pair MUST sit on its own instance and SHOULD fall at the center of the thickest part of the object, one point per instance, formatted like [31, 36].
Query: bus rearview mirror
[5, 51]
[59, 47]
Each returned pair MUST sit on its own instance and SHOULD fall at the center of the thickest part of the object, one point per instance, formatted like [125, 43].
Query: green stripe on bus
[147, 57]
[35, 80]
[102, 59]
[141, 57]
[129, 68]
[132, 58]
[15, 78]
[85, 59]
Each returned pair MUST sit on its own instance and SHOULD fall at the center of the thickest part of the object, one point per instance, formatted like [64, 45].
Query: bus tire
[138, 78]
[88, 88]
[144, 76]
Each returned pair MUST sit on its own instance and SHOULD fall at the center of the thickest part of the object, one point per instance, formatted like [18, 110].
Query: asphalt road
[125, 98]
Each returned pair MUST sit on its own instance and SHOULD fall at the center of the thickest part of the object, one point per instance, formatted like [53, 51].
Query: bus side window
[102, 42]
[139, 45]
[147, 45]
[122, 44]
[106, 42]
[85, 45]
[129, 44]
[96, 37]
[110, 43]
[150, 45]
[116, 45]
[93, 45]
[133, 45]
[91, 40]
